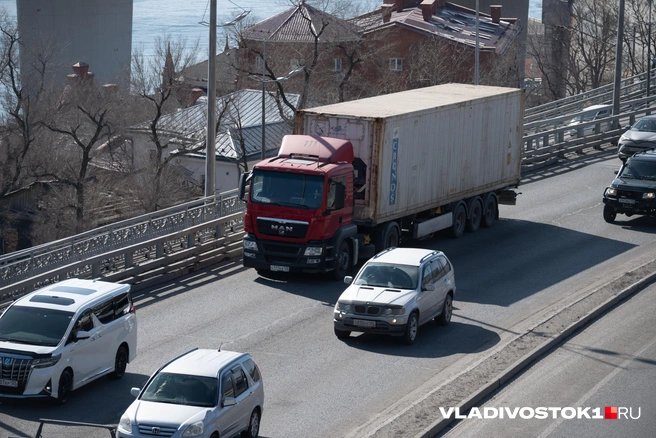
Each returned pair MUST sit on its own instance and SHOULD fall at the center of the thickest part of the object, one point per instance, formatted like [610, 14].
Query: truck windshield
[287, 189]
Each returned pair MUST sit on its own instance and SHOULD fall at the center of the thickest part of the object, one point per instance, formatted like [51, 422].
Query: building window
[338, 64]
[396, 64]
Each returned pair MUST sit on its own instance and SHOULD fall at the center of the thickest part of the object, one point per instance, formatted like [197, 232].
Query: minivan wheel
[447, 310]
[411, 329]
[609, 214]
[253, 425]
[65, 387]
[120, 363]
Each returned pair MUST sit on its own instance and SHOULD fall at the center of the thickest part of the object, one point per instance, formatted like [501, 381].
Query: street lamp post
[618, 64]
[265, 81]
[476, 49]
[649, 51]
[210, 148]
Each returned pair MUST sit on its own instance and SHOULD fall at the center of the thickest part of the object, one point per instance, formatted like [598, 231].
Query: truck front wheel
[342, 261]
[609, 214]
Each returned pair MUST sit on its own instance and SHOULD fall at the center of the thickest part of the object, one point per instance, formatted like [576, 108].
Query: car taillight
[133, 309]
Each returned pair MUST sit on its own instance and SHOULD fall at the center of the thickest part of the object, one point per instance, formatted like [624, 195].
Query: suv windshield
[182, 389]
[639, 169]
[388, 275]
[33, 325]
[289, 190]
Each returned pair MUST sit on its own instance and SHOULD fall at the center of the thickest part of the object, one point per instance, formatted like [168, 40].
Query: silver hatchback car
[395, 292]
[202, 393]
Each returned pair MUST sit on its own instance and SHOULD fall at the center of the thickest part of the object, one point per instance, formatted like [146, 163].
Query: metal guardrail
[630, 88]
[111, 430]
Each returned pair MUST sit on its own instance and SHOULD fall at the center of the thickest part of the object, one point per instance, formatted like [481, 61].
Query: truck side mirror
[243, 182]
[340, 196]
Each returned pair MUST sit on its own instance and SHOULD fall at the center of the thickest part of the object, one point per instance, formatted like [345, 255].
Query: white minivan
[61, 337]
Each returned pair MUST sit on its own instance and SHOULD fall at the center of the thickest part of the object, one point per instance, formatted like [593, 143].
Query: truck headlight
[611, 192]
[649, 196]
[125, 424]
[46, 362]
[194, 429]
[313, 251]
[250, 245]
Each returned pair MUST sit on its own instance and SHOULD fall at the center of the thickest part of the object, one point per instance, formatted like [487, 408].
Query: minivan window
[105, 312]
[33, 325]
[122, 304]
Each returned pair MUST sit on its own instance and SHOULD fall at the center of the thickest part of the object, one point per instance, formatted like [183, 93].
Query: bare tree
[157, 81]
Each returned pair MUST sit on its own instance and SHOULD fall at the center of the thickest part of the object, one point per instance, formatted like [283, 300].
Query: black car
[633, 191]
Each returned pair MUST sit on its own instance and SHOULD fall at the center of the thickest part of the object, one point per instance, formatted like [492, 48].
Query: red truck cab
[299, 212]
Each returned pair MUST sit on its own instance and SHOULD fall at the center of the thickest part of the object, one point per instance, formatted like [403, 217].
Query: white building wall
[97, 32]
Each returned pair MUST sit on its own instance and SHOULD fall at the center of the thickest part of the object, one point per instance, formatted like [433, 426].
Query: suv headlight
[125, 424]
[194, 429]
[649, 195]
[313, 251]
[611, 192]
[46, 362]
[393, 310]
[343, 307]
[250, 245]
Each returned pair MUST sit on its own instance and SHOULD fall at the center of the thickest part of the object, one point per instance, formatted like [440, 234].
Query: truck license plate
[363, 323]
[627, 201]
[280, 268]
[11, 383]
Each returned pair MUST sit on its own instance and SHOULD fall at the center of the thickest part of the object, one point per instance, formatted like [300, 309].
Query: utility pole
[649, 66]
[618, 65]
[210, 149]
[476, 50]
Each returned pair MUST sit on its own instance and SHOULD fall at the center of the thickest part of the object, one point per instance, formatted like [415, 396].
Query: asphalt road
[610, 363]
[544, 253]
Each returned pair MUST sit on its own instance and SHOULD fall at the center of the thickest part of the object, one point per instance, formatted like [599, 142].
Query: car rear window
[251, 368]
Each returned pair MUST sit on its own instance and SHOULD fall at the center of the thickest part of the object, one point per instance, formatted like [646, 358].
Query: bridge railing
[200, 231]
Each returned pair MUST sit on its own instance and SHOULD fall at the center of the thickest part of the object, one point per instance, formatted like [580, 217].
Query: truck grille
[151, 429]
[282, 228]
[15, 369]
[630, 194]
[284, 249]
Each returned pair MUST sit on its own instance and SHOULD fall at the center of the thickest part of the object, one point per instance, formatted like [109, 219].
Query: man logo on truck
[282, 229]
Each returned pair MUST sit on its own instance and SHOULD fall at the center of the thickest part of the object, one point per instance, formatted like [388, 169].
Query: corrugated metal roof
[293, 25]
[451, 22]
[244, 108]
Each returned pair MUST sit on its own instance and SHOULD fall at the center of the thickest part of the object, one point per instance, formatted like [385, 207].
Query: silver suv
[202, 393]
[395, 292]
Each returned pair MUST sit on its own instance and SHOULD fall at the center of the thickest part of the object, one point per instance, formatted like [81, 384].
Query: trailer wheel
[489, 211]
[459, 220]
[342, 261]
[475, 214]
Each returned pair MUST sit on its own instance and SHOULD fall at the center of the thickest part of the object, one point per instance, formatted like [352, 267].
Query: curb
[435, 428]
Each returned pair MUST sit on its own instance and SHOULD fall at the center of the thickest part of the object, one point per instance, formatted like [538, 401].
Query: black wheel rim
[121, 362]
